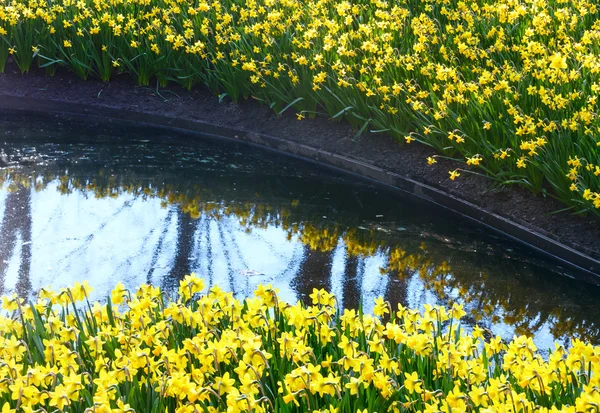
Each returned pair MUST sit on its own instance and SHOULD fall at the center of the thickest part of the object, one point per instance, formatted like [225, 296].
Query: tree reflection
[445, 266]
[159, 246]
[315, 272]
[186, 229]
[351, 291]
[16, 226]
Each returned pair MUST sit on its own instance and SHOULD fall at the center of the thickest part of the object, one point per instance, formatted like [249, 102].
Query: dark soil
[517, 204]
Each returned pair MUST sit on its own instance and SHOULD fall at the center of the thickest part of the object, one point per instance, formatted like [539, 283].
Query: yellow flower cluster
[210, 352]
[510, 87]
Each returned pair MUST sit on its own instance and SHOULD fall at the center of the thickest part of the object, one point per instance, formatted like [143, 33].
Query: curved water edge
[106, 203]
[585, 263]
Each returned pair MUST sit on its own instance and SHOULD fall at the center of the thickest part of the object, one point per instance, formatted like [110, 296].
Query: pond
[103, 202]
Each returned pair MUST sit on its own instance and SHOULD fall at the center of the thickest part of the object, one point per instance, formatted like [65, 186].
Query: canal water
[102, 202]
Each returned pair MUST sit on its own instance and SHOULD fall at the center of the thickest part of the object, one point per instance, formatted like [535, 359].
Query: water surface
[106, 203]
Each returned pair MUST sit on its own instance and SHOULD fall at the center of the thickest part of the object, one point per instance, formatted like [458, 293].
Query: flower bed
[505, 88]
[210, 352]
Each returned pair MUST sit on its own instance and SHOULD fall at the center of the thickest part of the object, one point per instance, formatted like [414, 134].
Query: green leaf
[341, 112]
[289, 105]
[361, 130]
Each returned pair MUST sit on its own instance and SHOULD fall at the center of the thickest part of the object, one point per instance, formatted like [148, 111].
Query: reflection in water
[15, 236]
[112, 205]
